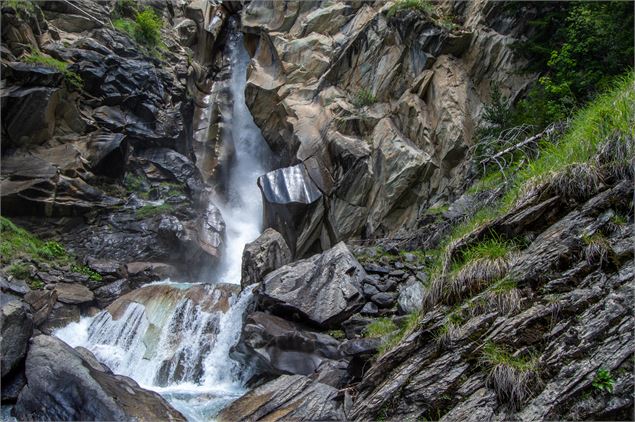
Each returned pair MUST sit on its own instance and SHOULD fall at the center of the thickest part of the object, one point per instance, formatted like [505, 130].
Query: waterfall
[242, 209]
[175, 338]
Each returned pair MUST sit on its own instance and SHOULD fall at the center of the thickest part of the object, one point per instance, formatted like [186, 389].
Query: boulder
[265, 254]
[16, 325]
[289, 195]
[73, 293]
[60, 316]
[33, 75]
[322, 290]
[29, 117]
[411, 297]
[288, 397]
[107, 294]
[42, 302]
[106, 153]
[186, 30]
[275, 346]
[62, 385]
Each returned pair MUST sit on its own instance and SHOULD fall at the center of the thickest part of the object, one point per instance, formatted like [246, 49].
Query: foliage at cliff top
[145, 28]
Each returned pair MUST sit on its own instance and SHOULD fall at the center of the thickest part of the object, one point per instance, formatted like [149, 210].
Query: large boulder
[29, 117]
[265, 254]
[16, 325]
[411, 297]
[322, 290]
[63, 385]
[288, 397]
[73, 293]
[276, 346]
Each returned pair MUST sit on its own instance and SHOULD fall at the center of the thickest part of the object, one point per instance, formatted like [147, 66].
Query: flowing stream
[175, 338]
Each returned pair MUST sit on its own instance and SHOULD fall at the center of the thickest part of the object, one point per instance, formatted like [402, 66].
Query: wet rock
[107, 294]
[187, 31]
[411, 297]
[62, 385]
[265, 254]
[16, 324]
[288, 397]
[107, 153]
[73, 293]
[355, 326]
[60, 316]
[369, 290]
[29, 117]
[275, 346]
[146, 272]
[12, 384]
[323, 290]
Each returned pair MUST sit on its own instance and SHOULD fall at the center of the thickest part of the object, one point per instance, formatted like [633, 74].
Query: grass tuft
[603, 380]
[380, 327]
[364, 98]
[510, 376]
[597, 248]
[70, 77]
[148, 211]
[423, 6]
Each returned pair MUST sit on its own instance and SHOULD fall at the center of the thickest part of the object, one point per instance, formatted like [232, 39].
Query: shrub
[603, 381]
[364, 98]
[145, 29]
[70, 77]
[510, 376]
[423, 6]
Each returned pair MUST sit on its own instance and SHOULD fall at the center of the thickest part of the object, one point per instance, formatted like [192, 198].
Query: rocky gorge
[272, 210]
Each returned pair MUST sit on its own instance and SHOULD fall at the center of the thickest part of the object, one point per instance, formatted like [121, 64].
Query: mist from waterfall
[242, 205]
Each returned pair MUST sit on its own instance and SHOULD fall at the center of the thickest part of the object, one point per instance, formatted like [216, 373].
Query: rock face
[323, 290]
[373, 112]
[63, 385]
[16, 324]
[289, 397]
[265, 254]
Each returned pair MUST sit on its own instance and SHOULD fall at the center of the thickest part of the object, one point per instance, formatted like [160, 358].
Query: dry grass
[477, 274]
[504, 296]
[597, 249]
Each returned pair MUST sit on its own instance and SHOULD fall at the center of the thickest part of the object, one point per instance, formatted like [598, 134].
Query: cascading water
[175, 338]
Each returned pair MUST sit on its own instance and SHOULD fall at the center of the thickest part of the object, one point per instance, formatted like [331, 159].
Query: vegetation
[148, 211]
[22, 7]
[380, 327]
[72, 78]
[511, 376]
[83, 269]
[144, 29]
[336, 334]
[491, 249]
[423, 6]
[364, 98]
[603, 381]
[22, 253]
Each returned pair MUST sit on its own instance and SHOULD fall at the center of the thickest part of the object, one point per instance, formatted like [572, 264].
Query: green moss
[619, 220]
[83, 269]
[20, 270]
[364, 98]
[71, 77]
[504, 286]
[144, 29]
[393, 339]
[336, 334]
[423, 6]
[148, 211]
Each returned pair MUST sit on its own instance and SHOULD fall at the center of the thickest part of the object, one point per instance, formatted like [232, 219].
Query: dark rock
[29, 114]
[107, 294]
[33, 75]
[288, 397]
[146, 272]
[178, 166]
[16, 324]
[369, 290]
[324, 289]
[275, 346]
[187, 30]
[384, 300]
[12, 384]
[376, 269]
[73, 293]
[361, 346]
[265, 254]
[62, 385]
[107, 153]
[333, 373]
[369, 309]
[355, 326]
[18, 287]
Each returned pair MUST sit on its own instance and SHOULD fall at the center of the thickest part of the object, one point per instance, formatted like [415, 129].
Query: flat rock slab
[73, 293]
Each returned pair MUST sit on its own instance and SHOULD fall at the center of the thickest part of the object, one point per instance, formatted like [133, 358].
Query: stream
[174, 338]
